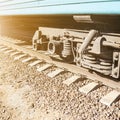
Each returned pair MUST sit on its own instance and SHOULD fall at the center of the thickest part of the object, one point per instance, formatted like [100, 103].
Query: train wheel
[54, 47]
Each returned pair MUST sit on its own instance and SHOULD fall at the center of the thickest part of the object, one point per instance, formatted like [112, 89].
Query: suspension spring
[67, 50]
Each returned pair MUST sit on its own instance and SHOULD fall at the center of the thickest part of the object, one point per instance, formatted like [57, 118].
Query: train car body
[29, 7]
[86, 32]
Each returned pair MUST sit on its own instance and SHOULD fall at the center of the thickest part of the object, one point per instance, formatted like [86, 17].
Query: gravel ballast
[26, 94]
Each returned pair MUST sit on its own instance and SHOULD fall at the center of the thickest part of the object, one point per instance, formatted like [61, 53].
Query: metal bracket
[116, 65]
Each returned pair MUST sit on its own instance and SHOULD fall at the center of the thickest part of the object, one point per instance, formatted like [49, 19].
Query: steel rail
[70, 67]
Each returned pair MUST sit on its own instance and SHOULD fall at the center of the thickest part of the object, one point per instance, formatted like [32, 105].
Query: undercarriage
[92, 49]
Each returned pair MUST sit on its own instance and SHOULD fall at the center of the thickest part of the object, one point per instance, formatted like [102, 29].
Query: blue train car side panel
[42, 7]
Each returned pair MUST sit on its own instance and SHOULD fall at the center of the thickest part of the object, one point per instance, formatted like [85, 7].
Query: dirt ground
[26, 94]
[17, 101]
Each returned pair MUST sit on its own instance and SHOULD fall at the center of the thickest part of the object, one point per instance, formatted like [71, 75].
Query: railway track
[42, 61]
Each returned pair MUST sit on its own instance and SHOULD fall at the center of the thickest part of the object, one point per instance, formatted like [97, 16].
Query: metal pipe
[87, 40]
